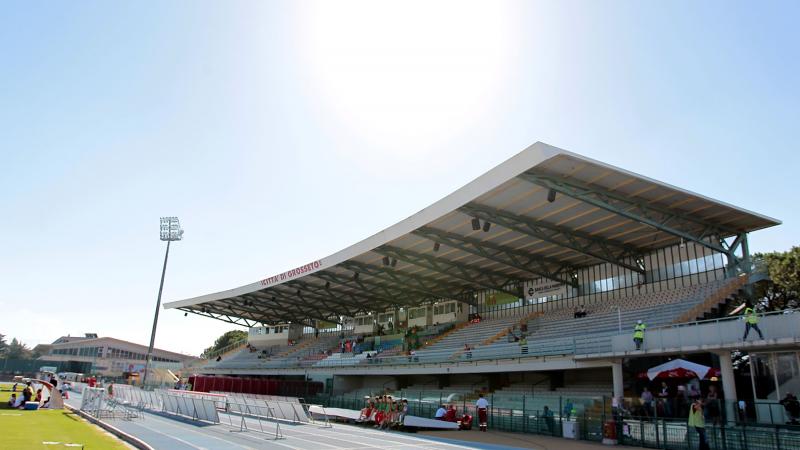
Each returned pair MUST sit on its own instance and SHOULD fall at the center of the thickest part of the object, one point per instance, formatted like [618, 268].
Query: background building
[111, 357]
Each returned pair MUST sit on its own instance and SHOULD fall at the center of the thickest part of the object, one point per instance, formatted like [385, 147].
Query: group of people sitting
[449, 414]
[384, 411]
[27, 395]
[580, 311]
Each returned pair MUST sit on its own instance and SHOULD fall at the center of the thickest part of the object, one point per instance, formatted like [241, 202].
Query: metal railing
[720, 332]
[595, 419]
[715, 332]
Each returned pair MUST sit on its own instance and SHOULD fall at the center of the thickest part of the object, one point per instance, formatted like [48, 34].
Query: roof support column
[616, 376]
[738, 264]
[728, 384]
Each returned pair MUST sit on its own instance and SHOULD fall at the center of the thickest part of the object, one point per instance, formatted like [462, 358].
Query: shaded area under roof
[549, 212]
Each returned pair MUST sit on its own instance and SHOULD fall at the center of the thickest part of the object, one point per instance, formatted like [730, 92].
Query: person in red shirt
[450, 415]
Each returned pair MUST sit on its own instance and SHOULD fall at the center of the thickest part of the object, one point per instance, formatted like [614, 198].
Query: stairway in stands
[714, 305]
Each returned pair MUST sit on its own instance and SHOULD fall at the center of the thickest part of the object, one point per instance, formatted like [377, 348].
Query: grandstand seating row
[555, 333]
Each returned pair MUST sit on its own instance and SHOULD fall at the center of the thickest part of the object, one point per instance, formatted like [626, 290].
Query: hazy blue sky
[280, 132]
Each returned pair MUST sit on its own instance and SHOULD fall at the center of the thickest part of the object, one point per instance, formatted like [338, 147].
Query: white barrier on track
[293, 412]
[196, 408]
[240, 395]
[189, 404]
[96, 402]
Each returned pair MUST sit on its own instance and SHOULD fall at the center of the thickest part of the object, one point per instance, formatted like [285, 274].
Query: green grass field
[31, 429]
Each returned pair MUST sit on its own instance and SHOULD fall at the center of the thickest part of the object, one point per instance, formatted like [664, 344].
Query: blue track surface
[164, 432]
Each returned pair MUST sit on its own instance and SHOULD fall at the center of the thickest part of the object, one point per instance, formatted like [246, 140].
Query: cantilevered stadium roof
[549, 211]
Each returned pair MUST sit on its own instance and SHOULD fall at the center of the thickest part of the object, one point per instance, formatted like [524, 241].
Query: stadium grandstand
[526, 286]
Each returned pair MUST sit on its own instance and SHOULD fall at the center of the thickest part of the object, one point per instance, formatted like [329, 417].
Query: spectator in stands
[467, 351]
[483, 412]
[751, 321]
[549, 419]
[576, 313]
[440, 413]
[582, 311]
[512, 335]
[697, 422]
[682, 401]
[712, 409]
[219, 358]
[647, 402]
[792, 406]
[694, 388]
[638, 334]
[664, 400]
[523, 327]
[523, 345]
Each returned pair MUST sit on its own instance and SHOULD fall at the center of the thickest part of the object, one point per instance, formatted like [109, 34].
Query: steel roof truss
[334, 278]
[324, 298]
[656, 217]
[258, 314]
[236, 321]
[580, 242]
[357, 298]
[419, 284]
[464, 272]
[504, 255]
[290, 310]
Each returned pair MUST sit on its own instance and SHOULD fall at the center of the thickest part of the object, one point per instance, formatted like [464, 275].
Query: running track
[165, 432]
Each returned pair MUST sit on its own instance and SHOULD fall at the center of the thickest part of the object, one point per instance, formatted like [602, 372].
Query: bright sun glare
[406, 76]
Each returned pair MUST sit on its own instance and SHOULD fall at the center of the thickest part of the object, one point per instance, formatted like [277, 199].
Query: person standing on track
[483, 412]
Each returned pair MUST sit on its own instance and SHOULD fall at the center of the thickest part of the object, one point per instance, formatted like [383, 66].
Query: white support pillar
[728, 384]
[616, 374]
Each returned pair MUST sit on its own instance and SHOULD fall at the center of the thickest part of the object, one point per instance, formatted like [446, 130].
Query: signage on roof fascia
[542, 287]
[292, 273]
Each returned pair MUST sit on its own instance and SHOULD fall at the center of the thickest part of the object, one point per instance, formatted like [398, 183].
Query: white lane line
[266, 441]
[174, 438]
[293, 432]
[186, 428]
[383, 436]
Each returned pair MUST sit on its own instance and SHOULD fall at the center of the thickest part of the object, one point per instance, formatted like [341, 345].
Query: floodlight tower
[170, 231]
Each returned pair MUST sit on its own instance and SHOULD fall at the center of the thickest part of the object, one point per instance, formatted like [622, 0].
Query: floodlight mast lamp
[170, 231]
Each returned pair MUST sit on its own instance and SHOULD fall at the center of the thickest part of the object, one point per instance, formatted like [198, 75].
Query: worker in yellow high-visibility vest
[751, 321]
[638, 334]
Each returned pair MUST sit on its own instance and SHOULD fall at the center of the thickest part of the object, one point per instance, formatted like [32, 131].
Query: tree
[18, 350]
[783, 268]
[3, 346]
[230, 337]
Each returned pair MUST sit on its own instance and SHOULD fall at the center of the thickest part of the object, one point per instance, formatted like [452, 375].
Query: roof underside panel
[542, 214]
